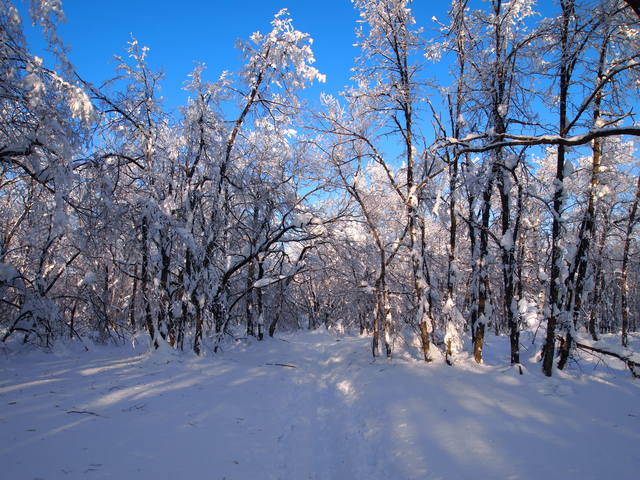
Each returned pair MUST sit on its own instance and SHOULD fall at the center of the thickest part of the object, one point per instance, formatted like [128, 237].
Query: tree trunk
[166, 324]
[132, 303]
[555, 294]
[144, 282]
[419, 286]
[507, 249]
[197, 339]
[596, 300]
[483, 274]
[259, 303]
[377, 321]
[249, 299]
[556, 282]
[624, 291]
[577, 275]
[386, 325]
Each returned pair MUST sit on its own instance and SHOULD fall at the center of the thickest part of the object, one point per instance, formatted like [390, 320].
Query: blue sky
[181, 33]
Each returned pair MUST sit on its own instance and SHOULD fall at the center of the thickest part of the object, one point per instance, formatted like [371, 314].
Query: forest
[432, 273]
[499, 199]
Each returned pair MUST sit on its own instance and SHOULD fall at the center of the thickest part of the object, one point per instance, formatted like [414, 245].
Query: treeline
[499, 198]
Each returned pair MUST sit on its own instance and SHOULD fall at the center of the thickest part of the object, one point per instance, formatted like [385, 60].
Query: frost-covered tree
[45, 116]
[246, 210]
[383, 104]
[584, 74]
[575, 30]
[497, 64]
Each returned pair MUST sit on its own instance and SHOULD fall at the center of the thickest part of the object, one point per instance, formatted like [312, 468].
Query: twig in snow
[282, 365]
[86, 412]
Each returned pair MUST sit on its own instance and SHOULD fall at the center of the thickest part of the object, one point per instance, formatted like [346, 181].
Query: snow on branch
[525, 140]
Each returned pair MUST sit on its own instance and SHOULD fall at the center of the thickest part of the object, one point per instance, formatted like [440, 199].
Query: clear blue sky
[181, 33]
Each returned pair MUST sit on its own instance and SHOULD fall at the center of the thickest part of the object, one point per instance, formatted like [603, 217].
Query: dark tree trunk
[249, 299]
[377, 321]
[276, 318]
[508, 264]
[576, 280]
[555, 283]
[483, 274]
[166, 323]
[132, 304]
[624, 290]
[555, 295]
[596, 300]
[259, 303]
[144, 282]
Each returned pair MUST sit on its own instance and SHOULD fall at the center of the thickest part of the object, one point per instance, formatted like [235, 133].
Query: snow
[312, 406]
[263, 282]
[302, 219]
[506, 241]
[88, 279]
[454, 326]
[8, 273]
[569, 169]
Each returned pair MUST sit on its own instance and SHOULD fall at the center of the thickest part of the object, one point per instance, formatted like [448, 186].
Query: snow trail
[308, 406]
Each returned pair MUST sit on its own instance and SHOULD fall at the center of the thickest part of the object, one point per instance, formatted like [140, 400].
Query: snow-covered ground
[311, 406]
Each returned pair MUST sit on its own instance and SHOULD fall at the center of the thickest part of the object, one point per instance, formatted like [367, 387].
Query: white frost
[8, 273]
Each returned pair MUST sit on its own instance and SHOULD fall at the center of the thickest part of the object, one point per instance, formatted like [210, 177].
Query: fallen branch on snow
[282, 365]
[631, 364]
[86, 412]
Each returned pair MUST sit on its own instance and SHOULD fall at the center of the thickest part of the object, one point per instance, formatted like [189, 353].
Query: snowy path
[326, 412]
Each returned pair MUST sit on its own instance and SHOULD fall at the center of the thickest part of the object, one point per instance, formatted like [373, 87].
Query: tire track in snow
[325, 424]
[318, 438]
